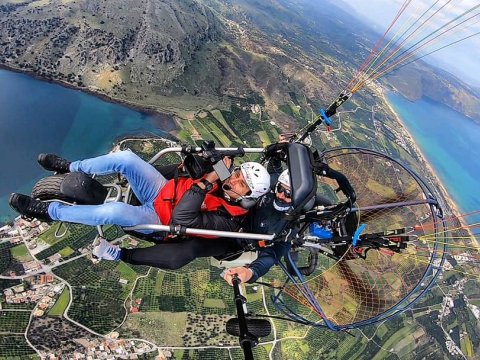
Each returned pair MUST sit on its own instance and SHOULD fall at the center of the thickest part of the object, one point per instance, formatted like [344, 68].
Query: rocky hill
[168, 55]
[105, 46]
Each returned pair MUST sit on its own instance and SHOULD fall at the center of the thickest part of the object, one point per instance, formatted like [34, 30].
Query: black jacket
[265, 219]
[188, 213]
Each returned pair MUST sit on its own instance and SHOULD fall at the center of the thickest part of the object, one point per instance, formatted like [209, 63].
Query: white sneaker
[106, 251]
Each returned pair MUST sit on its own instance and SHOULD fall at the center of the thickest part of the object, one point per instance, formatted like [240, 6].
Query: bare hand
[211, 177]
[228, 162]
[243, 273]
[285, 137]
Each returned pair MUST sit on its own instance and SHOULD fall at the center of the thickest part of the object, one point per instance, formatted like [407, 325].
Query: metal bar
[199, 149]
[287, 311]
[191, 231]
[118, 190]
[304, 289]
[100, 231]
[397, 204]
[281, 306]
[274, 297]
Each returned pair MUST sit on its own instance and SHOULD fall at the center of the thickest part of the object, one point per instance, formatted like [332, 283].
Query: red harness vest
[170, 195]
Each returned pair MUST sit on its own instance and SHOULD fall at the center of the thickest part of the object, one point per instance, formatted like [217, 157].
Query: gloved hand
[276, 150]
[323, 169]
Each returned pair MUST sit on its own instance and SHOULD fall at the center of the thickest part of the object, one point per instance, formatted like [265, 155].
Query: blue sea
[451, 143]
[38, 116]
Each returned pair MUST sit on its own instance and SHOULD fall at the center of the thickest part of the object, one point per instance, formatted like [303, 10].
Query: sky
[462, 59]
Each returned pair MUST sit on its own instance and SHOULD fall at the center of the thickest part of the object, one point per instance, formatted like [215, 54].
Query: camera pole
[247, 340]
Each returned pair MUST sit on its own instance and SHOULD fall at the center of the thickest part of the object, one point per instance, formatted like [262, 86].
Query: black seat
[302, 177]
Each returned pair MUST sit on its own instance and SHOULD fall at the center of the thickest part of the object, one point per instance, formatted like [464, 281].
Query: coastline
[120, 121]
[452, 205]
[166, 118]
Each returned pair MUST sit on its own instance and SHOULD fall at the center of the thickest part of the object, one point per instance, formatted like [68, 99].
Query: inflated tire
[73, 187]
[50, 188]
[256, 327]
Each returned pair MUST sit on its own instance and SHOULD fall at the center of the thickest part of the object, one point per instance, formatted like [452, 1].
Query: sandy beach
[453, 208]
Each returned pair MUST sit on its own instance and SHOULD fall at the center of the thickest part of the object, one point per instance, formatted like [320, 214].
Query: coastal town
[43, 296]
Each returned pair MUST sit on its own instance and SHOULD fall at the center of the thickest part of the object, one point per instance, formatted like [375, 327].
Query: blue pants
[143, 178]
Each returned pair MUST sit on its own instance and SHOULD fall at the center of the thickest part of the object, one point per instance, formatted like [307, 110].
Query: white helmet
[278, 204]
[284, 178]
[256, 177]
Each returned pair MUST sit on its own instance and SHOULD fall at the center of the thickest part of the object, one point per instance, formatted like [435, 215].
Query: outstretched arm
[266, 259]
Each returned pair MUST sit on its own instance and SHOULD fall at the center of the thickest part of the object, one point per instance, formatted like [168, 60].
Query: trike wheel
[73, 187]
[50, 188]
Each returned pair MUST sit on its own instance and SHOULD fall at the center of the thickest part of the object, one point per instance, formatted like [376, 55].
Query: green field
[61, 304]
[382, 330]
[226, 142]
[466, 344]
[475, 302]
[66, 251]
[264, 138]
[218, 115]
[345, 346]
[49, 235]
[20, 253]
[359, 353]
[393, 280]
[394, 341]
[380, 189]
[158, 283]
[126, 272]
[178, 354]
[254, 296]
[404, 347]
[95, 284]
[214, 303]
[15, 347]
[452, 324]
[294, 349]
[13, 321]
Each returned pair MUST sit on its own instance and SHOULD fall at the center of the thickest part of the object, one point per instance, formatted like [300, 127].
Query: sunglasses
[279, 188]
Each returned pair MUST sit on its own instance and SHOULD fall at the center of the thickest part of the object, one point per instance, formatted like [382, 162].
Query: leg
[174, 255]
[144, 179]
[110, 213]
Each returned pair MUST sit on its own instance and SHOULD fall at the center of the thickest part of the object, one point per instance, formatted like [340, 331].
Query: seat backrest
[302, 177]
